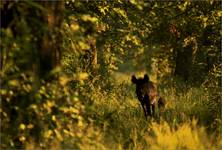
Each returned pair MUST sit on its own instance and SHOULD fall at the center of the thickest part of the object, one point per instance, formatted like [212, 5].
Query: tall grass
[113, 119]
[186, 122]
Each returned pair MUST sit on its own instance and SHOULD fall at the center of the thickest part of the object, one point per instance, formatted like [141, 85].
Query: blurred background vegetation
[66, 68]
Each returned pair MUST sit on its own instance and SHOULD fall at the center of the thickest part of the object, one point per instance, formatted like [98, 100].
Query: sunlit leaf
[48, 134]
[89, 18]
[58, 135]
[22, 126]
[14, 83]
[63, 80]
[22, 138]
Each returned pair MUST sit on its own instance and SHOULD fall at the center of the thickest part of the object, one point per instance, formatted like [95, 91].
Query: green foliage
[88, 52]
[29, 113]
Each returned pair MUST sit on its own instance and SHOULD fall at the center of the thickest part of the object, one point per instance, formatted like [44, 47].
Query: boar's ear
[134, 79]
[146, 77]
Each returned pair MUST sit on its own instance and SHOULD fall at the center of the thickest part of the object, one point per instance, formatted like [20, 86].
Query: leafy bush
[52, 112]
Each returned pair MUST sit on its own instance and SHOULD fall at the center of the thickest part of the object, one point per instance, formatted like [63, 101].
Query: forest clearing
[111, 75]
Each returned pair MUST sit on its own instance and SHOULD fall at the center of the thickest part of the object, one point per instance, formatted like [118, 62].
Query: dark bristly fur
[147, 94]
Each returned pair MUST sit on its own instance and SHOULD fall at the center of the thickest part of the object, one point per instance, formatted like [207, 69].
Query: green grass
[112, 118]
[186, 122]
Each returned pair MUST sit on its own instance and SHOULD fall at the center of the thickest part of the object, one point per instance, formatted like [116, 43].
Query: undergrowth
[94, 117]
[189, 121]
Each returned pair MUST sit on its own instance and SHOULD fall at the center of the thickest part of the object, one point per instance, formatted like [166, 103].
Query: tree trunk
[50, 52]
